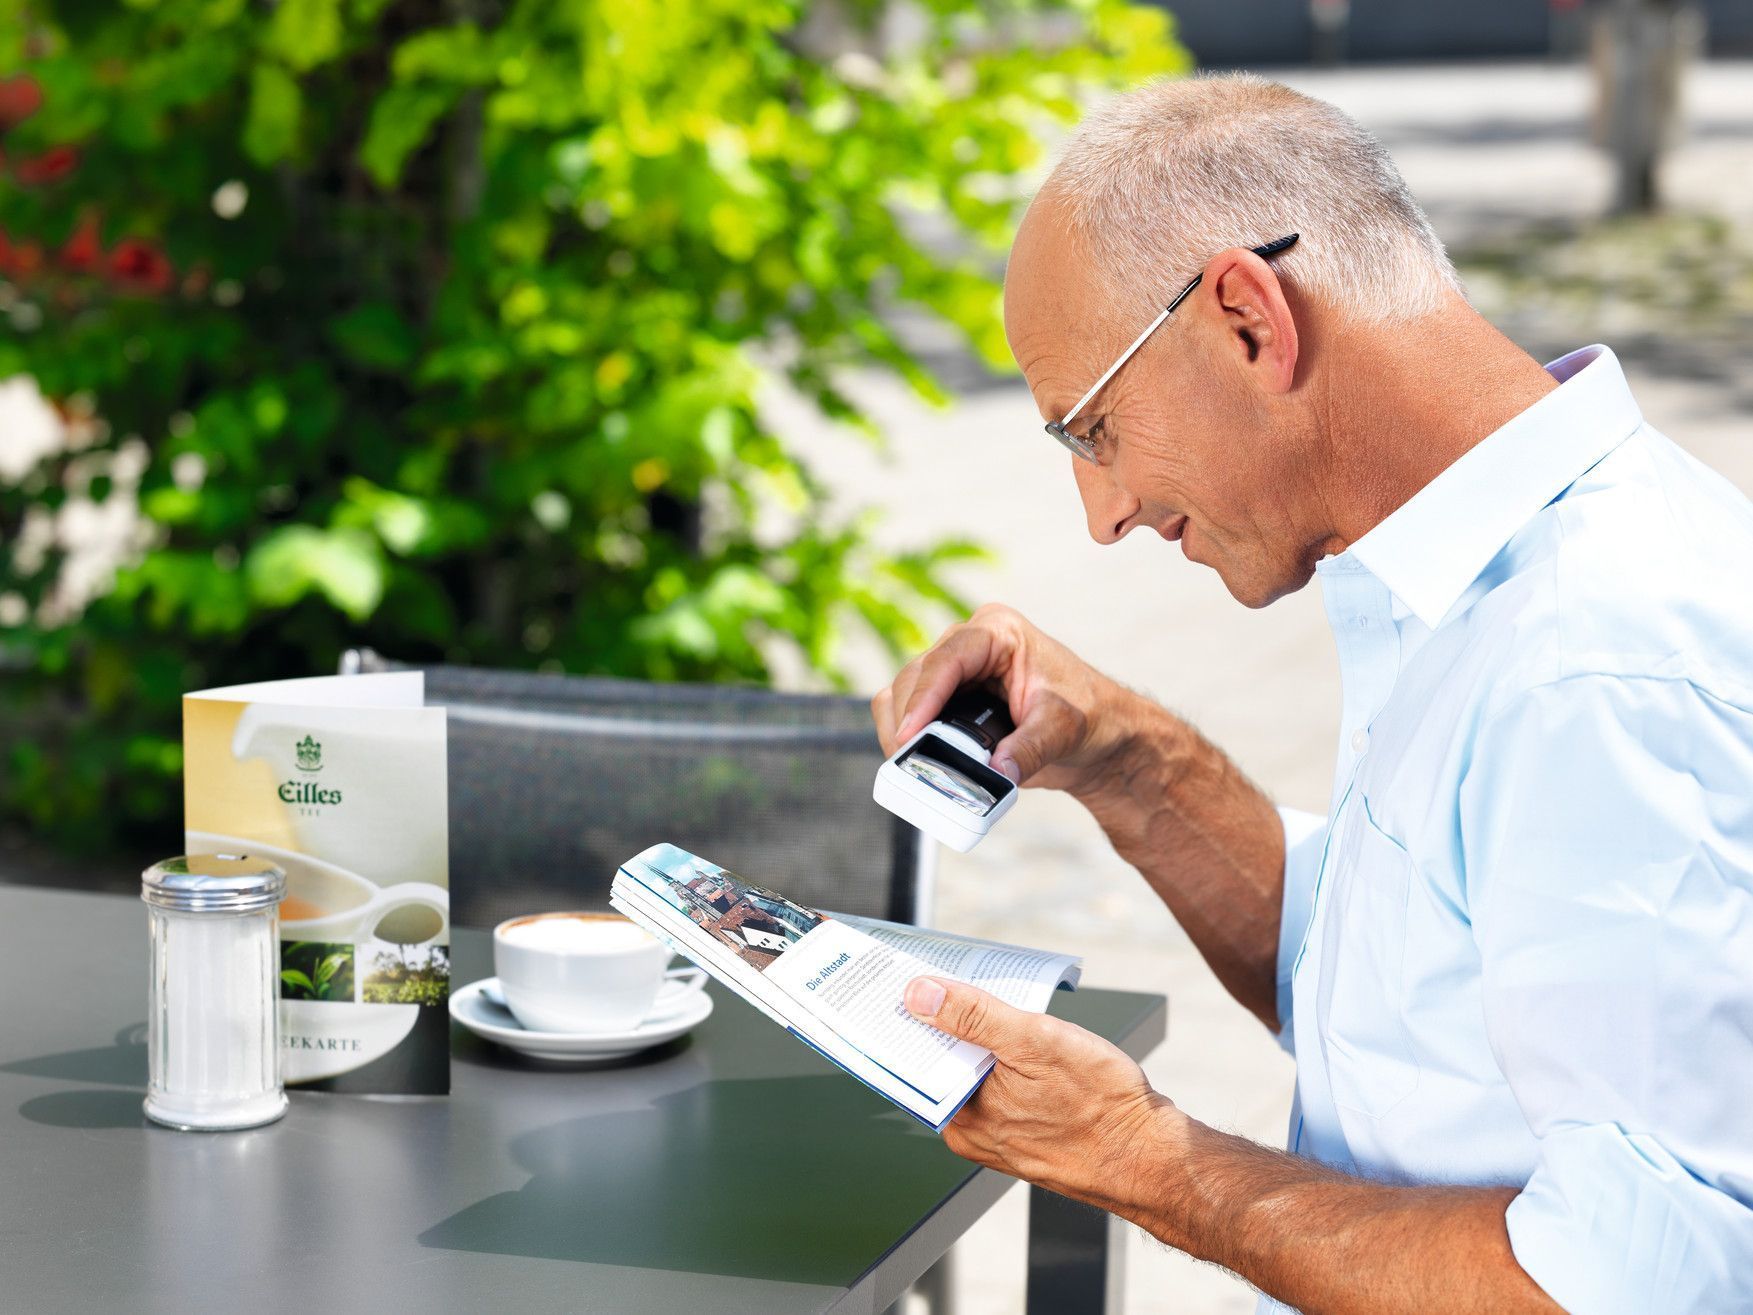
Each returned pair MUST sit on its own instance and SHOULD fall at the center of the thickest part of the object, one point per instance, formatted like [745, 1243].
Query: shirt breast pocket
[1370, 1062]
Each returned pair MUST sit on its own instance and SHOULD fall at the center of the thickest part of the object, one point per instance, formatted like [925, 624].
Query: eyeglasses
[1082, 445]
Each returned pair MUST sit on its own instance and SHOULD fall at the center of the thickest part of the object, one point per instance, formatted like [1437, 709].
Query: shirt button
[1360, 740]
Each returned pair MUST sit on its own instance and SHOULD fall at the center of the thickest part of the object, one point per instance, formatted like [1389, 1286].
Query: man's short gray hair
[1159, 180]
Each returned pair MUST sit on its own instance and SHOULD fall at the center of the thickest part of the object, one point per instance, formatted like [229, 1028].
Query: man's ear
[1242, 295]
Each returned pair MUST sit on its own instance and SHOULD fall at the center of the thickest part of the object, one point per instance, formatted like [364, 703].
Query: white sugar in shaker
[213, 1014]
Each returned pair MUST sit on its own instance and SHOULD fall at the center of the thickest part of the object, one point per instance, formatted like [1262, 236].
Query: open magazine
[836, 981]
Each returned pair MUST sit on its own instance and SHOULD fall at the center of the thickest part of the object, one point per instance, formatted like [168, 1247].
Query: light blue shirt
[1519, 949]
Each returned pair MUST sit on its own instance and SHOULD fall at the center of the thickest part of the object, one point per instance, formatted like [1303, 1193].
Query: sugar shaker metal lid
[213, 883]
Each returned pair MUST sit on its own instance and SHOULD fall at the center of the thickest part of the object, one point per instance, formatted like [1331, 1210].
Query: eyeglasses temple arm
[1124, 357]
[1264, 252]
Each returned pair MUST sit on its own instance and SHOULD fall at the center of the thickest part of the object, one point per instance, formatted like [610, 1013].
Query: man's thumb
[1043, 733]
[1018, 756]
[961, 1010]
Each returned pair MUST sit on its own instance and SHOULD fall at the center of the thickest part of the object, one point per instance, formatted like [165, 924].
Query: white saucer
[481, 1008]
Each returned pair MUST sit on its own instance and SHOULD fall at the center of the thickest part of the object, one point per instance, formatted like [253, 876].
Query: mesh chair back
[555, 780]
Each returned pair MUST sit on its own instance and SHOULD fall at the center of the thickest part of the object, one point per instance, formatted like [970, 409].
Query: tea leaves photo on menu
[313, 970]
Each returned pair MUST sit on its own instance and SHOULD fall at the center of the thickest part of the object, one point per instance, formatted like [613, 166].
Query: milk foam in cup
[579, 971]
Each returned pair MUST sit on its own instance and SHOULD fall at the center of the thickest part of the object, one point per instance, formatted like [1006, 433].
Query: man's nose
[1111, 511]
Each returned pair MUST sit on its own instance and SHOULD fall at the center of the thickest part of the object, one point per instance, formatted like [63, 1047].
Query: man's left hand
[1062, 1108]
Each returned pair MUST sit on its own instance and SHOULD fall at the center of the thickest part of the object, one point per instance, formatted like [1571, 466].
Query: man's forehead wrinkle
[1045, 327]
[1057, 374]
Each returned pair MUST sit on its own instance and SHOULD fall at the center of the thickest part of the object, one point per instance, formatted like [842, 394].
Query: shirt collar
[1433, 546]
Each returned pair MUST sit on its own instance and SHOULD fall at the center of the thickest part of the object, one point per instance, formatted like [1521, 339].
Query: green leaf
[271, 126]
[401, 120]
[407, 525]
[305, 33]
[450, 54]
[170, 505]
[374, 336]
[292, 977]
[343, 565]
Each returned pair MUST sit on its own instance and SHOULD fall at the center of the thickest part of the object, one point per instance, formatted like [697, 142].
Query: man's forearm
[1321, 1240]
[1206, 839]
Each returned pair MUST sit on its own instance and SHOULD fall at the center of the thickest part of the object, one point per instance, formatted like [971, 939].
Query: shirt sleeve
[1607, 837]
[1305, 836]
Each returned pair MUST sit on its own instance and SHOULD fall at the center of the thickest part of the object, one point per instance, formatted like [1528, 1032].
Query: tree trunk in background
[1640, 52]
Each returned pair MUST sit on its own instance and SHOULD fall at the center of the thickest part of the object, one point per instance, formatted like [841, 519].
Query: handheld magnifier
[942, 780]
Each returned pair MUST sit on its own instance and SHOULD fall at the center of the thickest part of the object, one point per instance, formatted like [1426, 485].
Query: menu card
[341, 780]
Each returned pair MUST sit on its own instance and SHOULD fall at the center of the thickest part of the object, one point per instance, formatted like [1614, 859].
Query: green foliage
[443, 326]
[412, 991]
[413, 976]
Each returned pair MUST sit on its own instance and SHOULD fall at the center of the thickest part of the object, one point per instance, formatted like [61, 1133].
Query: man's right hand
[1172, 805]
[1070, 719]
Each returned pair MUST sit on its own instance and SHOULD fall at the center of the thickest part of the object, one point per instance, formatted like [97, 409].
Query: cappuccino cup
[583, 972]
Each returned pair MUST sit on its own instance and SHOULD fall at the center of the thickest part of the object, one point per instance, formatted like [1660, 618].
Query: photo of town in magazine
[836, 981]
[756, 924]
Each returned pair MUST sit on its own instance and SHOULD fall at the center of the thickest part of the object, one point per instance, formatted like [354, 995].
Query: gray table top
[733, 1170]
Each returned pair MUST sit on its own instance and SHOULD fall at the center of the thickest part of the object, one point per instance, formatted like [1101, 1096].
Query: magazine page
[342, 782]
[635, 897]
[1015, 974]
[821, 975]
[806, 1027]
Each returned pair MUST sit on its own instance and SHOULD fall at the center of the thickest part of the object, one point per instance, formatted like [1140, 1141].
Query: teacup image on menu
[356, 960]
[336, 931]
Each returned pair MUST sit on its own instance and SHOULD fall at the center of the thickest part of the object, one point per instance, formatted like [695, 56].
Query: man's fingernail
[1008, 766]
[924, 997]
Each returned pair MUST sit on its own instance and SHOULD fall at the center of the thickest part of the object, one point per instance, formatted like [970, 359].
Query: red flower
[83, 252]
[140, 267]
[19, 99]
[55, 163]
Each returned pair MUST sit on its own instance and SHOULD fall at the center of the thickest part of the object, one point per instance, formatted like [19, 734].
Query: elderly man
[1514, 962]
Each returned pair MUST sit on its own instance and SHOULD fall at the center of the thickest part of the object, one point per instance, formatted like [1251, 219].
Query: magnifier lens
[946, 780]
